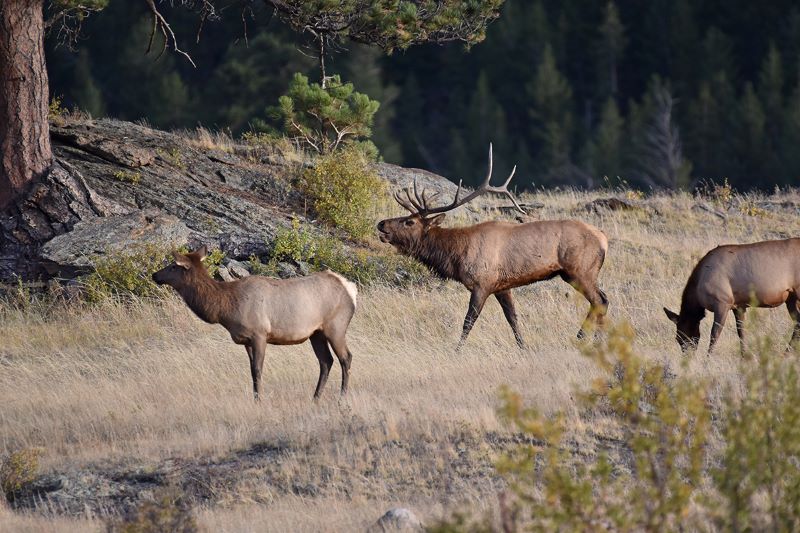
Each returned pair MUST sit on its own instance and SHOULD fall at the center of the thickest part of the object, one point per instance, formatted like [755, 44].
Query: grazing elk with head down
[495, 257]
[258, 311]
[734, 277]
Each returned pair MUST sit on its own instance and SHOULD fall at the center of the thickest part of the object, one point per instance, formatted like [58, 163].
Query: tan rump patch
[349, 286]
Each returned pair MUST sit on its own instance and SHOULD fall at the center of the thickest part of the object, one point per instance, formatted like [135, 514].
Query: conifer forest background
[656, 94]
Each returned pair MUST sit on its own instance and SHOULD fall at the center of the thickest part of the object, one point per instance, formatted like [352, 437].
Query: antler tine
[458, 202]
[402, 202]
[458, 192]
[491, 166]
[420, 201]
[415, 204]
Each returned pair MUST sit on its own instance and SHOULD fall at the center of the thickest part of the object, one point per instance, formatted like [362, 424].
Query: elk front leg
[720, 315]
[323, 352]
[507, 303]
[476, 302]
[256, 349]
[738, 313]
[793, 306]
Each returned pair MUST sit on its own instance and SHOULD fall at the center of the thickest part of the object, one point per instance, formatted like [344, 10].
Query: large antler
[419, 204]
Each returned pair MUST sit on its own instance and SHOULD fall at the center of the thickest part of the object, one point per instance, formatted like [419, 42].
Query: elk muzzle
[383, 234]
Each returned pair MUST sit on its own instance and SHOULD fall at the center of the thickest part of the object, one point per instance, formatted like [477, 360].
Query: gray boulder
[74, 252]
[237, 269]
[397, 519]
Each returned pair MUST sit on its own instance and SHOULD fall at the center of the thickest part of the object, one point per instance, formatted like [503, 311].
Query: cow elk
[734, 277]
[258, 311]
[494, 257]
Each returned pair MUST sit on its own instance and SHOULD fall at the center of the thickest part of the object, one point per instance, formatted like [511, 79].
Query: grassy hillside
[122, 399]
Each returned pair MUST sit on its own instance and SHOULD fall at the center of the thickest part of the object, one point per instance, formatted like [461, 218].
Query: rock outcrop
[116, 183]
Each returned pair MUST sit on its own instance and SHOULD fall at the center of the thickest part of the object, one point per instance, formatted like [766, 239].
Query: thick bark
[25, 152]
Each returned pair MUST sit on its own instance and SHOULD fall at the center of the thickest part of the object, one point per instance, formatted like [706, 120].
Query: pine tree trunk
[25, 152]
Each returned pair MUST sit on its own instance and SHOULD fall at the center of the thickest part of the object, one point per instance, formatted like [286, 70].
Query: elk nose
[380, 225]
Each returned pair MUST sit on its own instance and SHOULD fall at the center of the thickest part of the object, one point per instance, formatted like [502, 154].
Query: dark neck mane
[207, 298]
[441, 250]
[689, 307]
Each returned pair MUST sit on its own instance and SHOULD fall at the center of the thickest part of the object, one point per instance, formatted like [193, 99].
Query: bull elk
[258, 311]
[494, 257]
[734, 277]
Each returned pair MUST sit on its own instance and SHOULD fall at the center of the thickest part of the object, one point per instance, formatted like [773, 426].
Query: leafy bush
[129, 272]
[169, 511]
[664, 424]
[301, 244]
[18, 470]
[323, 119]
[759, 478]
[346, 192]
[664, 451]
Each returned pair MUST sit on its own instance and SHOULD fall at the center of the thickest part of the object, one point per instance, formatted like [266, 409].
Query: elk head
[688, 329]
[404, 233]
[178, 273]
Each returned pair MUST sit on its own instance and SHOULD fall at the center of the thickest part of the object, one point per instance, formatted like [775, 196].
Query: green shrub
[128, 176]
[17, 470]
[169, 511]
[300, 243]
[346, 192]
[759, 474]
[664, 424]
[129, 272]
[667, 474]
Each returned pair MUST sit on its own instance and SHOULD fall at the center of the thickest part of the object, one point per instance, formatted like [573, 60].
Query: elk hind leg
[256, 350]
[507, 303]
[598, 303]
[738, 313]
[476, 301]
[339, 344]
[793, 305]
[323, 353]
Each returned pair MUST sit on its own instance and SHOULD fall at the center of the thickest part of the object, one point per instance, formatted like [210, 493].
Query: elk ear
[672, 316]
[181, 260]
[201, 252]
[435, 221]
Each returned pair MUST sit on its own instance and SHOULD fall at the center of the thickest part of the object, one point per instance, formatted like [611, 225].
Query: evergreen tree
[706, 137]
[150, 89]
[717, 56]
[660, 154]
[85, 93]
[790, 155]
[605, 148]
[324, 118]
[250, 76]
[770, 91]
[551, 114]
[485, 122]
[388, 24]
[362, 67]
[749, 136]
[410, 108]
[610, 48]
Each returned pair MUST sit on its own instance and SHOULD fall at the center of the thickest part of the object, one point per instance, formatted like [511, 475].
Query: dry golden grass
[142, 383]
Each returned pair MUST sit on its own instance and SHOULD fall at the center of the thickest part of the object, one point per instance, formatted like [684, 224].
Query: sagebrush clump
[665, 457]
[168, 511]
[346, 192]
[17, 470]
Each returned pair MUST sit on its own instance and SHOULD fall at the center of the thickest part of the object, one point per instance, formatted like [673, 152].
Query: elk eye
[409, 222]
